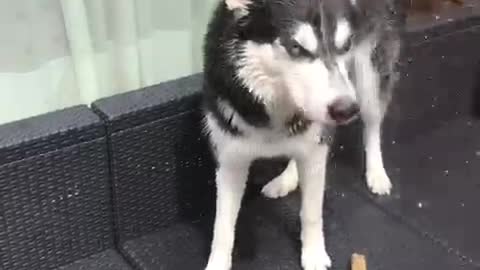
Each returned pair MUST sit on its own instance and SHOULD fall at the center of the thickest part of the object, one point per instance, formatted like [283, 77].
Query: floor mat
[267, 239]
[437, 189]
[108, 260]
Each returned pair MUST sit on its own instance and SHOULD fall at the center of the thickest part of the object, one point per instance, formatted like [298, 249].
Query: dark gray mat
[437, 186]
[267, 239]
[107, 260]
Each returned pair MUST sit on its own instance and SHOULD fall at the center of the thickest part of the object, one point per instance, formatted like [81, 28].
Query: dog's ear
[238, 5]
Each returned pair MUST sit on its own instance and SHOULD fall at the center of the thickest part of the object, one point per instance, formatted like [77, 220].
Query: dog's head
[301, 48]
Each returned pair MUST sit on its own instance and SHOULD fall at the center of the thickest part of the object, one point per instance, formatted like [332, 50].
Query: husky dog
[278, 73]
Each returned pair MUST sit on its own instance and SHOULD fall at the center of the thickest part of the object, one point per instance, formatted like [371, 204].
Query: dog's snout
[342, 110]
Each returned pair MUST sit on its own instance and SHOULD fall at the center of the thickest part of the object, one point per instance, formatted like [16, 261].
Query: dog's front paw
[315, 259]
[219, 263]
[282, 185]
[378, 181]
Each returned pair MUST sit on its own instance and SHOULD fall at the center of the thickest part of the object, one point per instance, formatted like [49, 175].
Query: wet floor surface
[429, 221]
[437, 186]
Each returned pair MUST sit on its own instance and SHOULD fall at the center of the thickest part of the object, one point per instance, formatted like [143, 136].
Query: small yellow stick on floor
[359, 262]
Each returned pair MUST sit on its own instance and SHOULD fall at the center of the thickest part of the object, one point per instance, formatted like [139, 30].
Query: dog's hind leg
[283, 184]
[231, 180]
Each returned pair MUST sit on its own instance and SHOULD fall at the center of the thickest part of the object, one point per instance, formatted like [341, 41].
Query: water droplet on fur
[462, 204]
[153, 167]
[433, 105]
[342, 147]
[409, 60]
[443, 56]
[394, 142]
[446, 172]
[467, 162]
[425, 37]
[420, 205]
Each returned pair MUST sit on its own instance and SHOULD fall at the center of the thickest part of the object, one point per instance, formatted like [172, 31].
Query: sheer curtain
[58, 53]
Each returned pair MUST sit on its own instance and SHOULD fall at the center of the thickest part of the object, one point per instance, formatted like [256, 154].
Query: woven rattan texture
[41, 134]
[55, 207]
[150, 104]
[160, 174]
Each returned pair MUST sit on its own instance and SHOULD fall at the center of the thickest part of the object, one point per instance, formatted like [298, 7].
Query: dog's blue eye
[347, 46]
[296, 50]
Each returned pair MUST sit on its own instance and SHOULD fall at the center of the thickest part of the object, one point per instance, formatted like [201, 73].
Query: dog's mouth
[341, 121]
[346, 121]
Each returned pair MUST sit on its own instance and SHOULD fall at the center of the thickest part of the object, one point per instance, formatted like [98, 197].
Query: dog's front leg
[311, 169]
[231, 181]
[377, 178]
[373, 104]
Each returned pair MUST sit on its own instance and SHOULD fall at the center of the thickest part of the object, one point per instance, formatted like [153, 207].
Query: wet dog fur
[278, 73]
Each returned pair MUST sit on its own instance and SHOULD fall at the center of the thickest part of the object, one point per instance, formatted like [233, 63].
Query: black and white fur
[278, 73]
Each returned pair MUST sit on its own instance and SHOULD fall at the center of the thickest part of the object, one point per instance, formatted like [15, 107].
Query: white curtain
[58, 53]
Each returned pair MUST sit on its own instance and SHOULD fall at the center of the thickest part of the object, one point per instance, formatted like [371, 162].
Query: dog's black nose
[342, 110]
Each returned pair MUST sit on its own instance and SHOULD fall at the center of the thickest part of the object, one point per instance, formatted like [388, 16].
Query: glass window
[59, 53]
